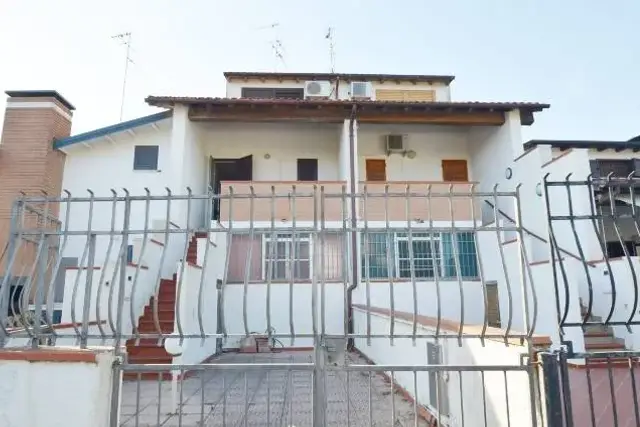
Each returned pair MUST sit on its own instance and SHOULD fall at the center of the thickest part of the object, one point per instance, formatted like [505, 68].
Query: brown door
[455, 170]
[376, 169]
[493, 305]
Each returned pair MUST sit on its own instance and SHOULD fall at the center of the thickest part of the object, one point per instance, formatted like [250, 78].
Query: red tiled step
[604, 346]
[146, 376]
[135, 351]
[149, 326]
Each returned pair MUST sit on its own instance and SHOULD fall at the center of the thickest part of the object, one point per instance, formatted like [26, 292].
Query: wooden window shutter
[405, 95]
[455, 170]
[376, 169]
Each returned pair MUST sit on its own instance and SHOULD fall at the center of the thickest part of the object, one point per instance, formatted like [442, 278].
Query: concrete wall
[499, 411]
[27, 398]
[432, 144]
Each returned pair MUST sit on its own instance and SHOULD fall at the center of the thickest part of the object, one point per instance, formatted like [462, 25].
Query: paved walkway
[258, 398]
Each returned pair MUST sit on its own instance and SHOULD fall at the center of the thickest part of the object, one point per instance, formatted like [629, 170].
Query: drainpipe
[354, 221]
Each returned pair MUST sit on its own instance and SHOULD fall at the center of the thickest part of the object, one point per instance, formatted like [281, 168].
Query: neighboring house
[310, 139]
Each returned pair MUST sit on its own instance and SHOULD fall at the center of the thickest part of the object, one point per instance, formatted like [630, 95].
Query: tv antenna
[124, 39]
[332, 50]
[277, 47]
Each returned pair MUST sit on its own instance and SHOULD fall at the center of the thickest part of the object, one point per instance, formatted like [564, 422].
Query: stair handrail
[537, 236]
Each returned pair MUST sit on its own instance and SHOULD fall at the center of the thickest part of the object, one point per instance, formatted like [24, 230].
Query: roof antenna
[124, 39]
[332, 51]
[276, 44]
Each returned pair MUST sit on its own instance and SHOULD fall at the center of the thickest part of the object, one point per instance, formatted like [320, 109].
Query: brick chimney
[28, 162]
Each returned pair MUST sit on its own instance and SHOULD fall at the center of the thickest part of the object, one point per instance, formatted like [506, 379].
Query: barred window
[420, 251]
[394, 255]
[286, 257]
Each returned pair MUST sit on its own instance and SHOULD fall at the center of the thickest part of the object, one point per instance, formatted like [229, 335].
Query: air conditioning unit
[317, 89]
[361, 90]
[396, 144]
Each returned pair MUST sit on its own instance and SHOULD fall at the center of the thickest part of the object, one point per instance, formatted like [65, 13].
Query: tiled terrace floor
[612, 398]
[217, 398]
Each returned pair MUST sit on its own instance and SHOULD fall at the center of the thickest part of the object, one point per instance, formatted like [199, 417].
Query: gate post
[319, 392]
[557, 396]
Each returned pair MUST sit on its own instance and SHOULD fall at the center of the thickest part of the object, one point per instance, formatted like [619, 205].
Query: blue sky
[580, 56]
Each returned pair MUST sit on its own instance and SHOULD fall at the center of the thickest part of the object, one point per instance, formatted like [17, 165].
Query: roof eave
[108, 130]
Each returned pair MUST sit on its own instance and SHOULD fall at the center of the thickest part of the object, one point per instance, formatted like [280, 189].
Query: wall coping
[453, 326]
[52, 354]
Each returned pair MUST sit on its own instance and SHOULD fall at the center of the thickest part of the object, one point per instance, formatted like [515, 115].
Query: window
[376, 169]
[405, 95]
[455, 171]
[390, 254]
[307, 169]
[284, 259]
[420, 251]
[145, 157]
[269, 92]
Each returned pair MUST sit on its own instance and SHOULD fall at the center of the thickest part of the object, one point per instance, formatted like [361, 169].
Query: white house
[358, 183]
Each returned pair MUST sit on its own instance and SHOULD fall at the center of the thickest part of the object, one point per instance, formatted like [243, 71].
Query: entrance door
[228, 170]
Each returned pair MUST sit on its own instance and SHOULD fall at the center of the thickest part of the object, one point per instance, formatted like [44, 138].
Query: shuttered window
[455, 170]
[405, 95]
[376, 169]
[270, 93]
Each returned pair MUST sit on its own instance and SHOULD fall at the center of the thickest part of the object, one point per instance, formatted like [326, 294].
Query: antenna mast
[125, 39]
[332, 51]
[276, 44]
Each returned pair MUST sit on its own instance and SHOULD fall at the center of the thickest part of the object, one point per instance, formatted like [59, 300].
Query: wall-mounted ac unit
[317, 89]
[361, 90]
[395, 144]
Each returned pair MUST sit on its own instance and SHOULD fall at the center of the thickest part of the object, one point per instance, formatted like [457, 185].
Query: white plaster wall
[102, 283]
[105, 166]
[472, 352]
[612, 155]
[285, 143]
[27, 400]
[198, 307]
[281, 320]
[432, 144]
[234, 89]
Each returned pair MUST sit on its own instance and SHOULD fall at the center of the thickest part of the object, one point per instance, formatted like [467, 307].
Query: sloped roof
[412, 78]
[107, 130]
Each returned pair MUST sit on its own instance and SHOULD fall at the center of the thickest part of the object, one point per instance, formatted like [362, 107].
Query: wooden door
[455, 171]
[376, 169]
[493, 305]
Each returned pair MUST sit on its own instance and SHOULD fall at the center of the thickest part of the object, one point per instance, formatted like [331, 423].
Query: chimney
[28, 162]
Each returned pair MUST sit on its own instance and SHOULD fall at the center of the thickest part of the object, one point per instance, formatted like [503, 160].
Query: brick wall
[28, 162]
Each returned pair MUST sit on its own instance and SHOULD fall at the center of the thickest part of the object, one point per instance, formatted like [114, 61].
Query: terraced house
[297, 205]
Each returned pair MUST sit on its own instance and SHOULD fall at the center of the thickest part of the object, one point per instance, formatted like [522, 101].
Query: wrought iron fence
[372, 308]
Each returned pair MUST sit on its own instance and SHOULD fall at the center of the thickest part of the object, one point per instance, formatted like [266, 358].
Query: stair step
[146, 376]
[602, 346]
[146, 352]
[607, 339]
[144, 342]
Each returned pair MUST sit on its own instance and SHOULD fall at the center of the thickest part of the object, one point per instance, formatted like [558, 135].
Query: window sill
[148, 170]
[422, 279]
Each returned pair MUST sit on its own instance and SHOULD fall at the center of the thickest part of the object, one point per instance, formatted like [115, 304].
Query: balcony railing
[283, 201]
[330, 201]
[421, 201]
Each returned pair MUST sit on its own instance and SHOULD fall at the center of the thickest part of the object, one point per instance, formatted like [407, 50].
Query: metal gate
[594, 225]
[303, 305]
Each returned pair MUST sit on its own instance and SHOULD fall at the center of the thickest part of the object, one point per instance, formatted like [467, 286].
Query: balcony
[421, 201]
[330, 201]
[283, 201]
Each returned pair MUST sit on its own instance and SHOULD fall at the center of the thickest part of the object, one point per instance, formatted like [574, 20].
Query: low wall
[55, 387]
[504, 405]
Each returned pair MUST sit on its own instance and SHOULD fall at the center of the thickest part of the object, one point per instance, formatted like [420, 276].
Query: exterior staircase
[600, 338]
[149, 350]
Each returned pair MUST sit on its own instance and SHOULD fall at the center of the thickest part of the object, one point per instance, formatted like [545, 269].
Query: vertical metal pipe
[412, 267]
[365, 256]
[88, 291]
[248, 267]
[292, 264]
[132, 297]
[103, 272]
[123, 272]
[389, 237]
[353, 188]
